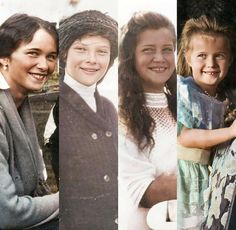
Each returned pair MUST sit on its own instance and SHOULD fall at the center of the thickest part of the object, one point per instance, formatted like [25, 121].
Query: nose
[91, 57]
[158, 57]
[210, 62]
[43, 64]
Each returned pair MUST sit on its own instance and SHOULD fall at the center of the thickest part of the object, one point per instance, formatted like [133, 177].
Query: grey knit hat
[89, 22]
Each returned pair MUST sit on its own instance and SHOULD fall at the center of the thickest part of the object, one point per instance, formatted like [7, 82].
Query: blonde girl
[204, 60]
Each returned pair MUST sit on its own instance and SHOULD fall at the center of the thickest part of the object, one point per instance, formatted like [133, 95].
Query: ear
[4, 61]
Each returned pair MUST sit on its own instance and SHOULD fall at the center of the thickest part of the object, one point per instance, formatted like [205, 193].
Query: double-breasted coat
[88, 162]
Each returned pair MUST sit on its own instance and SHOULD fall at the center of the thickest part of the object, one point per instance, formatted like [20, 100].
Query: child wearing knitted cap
[88, 123]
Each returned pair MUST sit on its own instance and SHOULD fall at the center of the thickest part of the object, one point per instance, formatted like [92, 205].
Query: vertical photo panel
[29, 195]
[147, 115]
[88, 49]
[206, 112]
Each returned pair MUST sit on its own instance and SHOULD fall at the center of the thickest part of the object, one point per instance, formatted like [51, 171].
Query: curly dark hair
[132, 110]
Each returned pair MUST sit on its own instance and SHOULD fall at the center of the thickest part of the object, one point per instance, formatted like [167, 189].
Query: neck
[78, 87]
[18, 93]
[155, 88]
[210, 92]
[160, 90]
[18, 97]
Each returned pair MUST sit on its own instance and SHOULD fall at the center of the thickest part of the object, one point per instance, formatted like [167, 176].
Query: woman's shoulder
[124, 132]
[2, 116]
[127, 143]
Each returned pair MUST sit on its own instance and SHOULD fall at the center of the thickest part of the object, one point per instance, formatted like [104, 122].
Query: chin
[36, 89]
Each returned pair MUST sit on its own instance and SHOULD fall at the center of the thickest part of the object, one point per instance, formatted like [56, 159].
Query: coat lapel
[78, 104]
[23, 132]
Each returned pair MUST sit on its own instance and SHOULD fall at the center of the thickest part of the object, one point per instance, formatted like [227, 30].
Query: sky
[121, 10]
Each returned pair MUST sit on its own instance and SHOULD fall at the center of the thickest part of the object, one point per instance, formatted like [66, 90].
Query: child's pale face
[210, 58]
[154, 58]
[88, 59]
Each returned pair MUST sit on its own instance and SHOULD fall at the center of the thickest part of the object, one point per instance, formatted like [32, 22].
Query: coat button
[106, 178]
[116, 220]
[108, 133]
[94, 136]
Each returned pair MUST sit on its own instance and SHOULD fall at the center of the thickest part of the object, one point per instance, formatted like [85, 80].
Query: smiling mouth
[158, 69]
[211, 73]
[39, 77]
[89, 70]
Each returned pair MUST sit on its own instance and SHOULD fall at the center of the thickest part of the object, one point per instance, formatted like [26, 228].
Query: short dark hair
[21, 28]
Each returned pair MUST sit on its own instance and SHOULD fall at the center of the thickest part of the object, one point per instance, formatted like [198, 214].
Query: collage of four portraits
[118, 115]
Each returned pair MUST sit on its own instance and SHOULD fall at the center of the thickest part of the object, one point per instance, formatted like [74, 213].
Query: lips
[38, 76]
[158, 69]
[89, 70]
[211, 73]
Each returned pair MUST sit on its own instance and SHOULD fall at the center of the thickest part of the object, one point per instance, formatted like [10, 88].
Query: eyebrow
[217, 52]
[151, 45]
[84, 44]
[39, 50]
[33, 49]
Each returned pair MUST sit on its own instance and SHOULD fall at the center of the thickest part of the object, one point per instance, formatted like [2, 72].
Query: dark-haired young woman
[28, 55]
[147, 108]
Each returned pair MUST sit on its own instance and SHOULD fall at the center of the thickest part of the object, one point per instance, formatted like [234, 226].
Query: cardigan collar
[3, 82]
[26, 152]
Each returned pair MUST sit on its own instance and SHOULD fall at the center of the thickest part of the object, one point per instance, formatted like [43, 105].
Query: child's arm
[205, 139]
[161, 189]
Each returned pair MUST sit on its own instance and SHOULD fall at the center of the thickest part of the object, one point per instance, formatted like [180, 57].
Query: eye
[148, 50]
[168, 50]
[103, 52]
[80, 49]
[52, 57]
[201, 56]
[220, 56]
[32, 54]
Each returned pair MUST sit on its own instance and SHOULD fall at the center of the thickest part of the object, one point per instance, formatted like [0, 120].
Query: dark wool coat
[21, 167]
[88, 163]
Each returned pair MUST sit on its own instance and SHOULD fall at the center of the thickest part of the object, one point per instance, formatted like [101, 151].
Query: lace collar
[156, 100]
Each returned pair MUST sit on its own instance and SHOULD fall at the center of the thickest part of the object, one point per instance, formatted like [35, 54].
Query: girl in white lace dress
[147, 129]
